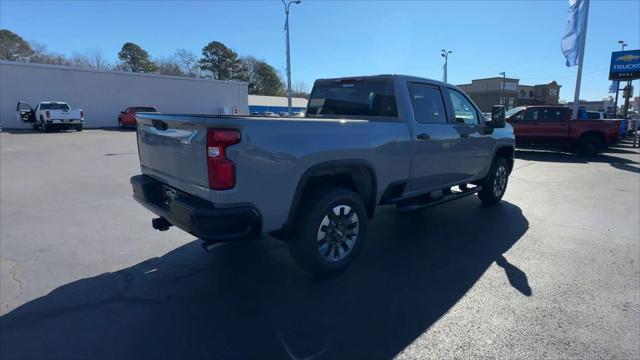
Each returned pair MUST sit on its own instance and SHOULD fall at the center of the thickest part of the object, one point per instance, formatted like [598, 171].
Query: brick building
[509, 92]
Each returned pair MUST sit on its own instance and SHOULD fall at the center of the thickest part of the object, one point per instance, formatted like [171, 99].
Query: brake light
[222, 171]
[48, 114]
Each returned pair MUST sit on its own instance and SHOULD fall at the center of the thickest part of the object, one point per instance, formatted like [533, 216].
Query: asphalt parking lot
[552, 272]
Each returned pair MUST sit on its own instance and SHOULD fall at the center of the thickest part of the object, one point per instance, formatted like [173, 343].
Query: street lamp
[286, 28]
[615, 103]
[504, 88]
[621, 42]
[445, 54]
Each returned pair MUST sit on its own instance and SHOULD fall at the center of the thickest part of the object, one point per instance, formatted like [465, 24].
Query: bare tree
[169, 66]
[42, 56]
[189, 62]
[90, 60]
[300, 89]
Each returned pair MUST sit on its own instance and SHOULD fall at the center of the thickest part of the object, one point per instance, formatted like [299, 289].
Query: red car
[127, 117]
[551, 127]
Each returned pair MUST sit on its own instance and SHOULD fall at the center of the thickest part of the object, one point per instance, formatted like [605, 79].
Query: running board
[414, 205]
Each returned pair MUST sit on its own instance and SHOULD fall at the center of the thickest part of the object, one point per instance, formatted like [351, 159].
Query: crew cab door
[434, 143]
[473, 152]
[547, 125]
[25, 112]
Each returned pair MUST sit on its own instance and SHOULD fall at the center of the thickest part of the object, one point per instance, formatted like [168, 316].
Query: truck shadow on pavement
[249, 300]
[607, 157]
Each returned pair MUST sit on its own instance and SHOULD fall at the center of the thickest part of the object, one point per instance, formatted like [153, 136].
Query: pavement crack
[14, 277]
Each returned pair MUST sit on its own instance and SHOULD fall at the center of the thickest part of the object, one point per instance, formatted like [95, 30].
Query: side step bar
[424, 202]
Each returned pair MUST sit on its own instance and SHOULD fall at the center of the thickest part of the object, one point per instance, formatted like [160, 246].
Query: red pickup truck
[552, 127]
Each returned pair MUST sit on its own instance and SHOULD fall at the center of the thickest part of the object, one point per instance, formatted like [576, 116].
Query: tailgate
[172, 149]
[65, 114]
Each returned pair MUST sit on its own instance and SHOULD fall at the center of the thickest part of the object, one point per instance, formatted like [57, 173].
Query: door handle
[424, 136]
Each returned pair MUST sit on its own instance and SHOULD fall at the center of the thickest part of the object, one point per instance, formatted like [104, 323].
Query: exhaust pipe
[161, 224]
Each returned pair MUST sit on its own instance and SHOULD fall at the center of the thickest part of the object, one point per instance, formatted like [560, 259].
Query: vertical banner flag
[574, 31]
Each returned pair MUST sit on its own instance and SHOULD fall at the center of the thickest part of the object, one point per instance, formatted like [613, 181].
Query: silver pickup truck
[314, 181]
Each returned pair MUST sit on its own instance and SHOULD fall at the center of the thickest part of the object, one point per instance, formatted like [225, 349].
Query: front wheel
[495, 184]
[330, 231]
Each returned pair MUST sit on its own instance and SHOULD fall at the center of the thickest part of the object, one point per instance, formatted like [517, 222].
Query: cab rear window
[353, 97]
[54, 107]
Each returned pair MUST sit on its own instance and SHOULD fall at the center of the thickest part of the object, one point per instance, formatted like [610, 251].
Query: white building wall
[102, 94]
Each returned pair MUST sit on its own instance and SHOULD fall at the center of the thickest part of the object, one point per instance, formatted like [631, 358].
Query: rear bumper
[197, 216]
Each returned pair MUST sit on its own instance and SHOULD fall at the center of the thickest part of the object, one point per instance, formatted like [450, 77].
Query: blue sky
[339, 38]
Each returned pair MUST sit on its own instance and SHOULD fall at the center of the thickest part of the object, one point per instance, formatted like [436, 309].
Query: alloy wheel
[338, 233]
[500, 181]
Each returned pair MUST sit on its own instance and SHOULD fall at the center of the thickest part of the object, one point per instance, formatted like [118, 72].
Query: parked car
[268, 114]
[51, 115]
[599, 115]
[283, 114]
[551, 127]
[314, 182]
[298, 114]
[127, 117]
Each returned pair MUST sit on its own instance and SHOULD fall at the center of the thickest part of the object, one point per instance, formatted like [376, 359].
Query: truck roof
[391, 76]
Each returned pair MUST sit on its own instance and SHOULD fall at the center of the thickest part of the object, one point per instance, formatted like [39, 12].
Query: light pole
[615, 103]
[445, 54]
[504, 89]
[286, 28]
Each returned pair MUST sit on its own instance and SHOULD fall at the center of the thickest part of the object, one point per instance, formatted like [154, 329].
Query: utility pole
[286, 28]
[504, 89]
[445, 54]
[615, 103]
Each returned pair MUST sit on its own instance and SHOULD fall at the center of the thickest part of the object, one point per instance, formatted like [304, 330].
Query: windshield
[146, 109]
[54, 106]
[355, 97]
[513, 111]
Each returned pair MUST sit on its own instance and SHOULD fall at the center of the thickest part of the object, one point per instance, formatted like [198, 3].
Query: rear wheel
[495, 184]
[78, 127]
[120, 124]
[590, 145]
[329, 231]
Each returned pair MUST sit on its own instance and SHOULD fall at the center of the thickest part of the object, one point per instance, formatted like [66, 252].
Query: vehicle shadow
[249, 300]
[617, 162]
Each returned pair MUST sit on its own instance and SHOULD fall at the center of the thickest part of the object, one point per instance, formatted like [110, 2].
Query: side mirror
[123, 112]
[497, 117]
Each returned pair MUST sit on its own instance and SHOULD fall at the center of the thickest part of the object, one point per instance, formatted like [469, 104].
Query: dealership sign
[625, 65]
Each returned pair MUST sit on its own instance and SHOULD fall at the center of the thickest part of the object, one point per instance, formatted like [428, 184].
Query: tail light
[48, 114]
[222, 171]
[81, 114]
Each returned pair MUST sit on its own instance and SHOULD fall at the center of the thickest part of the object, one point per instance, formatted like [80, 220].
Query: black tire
[35, 125]
[495, 184]
[78, 127]
[120, 125]
[590, 145]
[327, 249]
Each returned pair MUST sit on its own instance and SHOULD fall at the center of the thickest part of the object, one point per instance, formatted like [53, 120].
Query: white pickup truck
[49, 115]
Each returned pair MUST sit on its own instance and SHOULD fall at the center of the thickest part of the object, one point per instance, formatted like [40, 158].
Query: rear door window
[353, 97]
[428, 106]
[552, 115]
